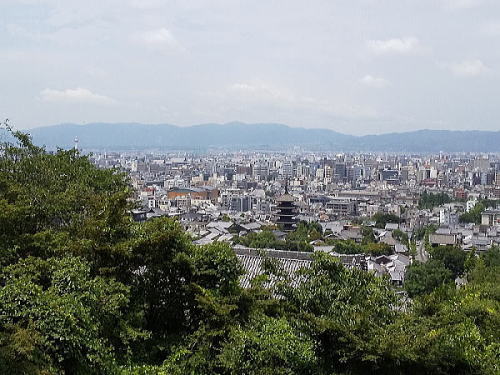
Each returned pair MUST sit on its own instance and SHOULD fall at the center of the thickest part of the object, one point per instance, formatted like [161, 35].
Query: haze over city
[357, 67]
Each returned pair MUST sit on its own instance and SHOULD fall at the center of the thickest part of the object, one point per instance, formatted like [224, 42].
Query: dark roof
[442, 239]
[251, 260]
[285, 198]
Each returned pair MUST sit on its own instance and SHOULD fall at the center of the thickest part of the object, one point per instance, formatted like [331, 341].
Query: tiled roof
[252, 260]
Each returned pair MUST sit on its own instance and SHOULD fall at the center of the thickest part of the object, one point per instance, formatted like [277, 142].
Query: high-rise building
[340, 172]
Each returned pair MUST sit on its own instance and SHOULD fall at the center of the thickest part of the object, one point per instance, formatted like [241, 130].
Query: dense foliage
[381, 219]
[300, 240]
[84, 290]
[368, 248]
[446, 264]
[474, 215]
[431, 200]
[424, 232]
[297, 240]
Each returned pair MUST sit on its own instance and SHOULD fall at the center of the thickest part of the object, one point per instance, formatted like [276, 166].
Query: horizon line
[230, 123]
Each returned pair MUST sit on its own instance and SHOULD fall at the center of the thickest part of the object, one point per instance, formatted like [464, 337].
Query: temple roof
[286, 198]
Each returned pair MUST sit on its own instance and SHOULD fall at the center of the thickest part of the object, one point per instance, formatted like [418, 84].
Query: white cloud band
[78, 95]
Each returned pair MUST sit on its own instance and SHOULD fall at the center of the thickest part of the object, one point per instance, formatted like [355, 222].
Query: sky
[353, 66]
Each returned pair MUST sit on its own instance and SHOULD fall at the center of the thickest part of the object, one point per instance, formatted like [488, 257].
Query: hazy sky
[355, 66]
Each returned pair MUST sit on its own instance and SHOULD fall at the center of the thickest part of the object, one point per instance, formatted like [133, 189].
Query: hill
[236, 135]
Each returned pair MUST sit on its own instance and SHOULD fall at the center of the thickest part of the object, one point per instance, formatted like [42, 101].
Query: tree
[399, 235]
[459, 327]
[60, 202]
[431, 200]
[377, 249]
[343, 310]
[368, 235]
[268, 346]
[474, 215]
[259, 240]
[295, 241]
[346, 247]
[168, 276]
[381, 219]
[443, 332]
[423, 232]
[452, 258]
[216, 268]
[491, 257]
[422, 278]
[55, 317]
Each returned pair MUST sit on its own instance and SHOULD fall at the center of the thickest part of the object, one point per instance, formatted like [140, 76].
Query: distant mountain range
[132, 136]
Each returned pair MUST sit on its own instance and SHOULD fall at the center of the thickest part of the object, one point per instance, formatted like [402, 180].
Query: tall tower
[286, 211]
[76, 144]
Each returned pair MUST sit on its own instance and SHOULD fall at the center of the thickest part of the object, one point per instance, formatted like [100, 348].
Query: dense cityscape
[401, 204]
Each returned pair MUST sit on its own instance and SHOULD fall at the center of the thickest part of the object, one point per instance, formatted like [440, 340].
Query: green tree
[422, 278]
[306, 232]
[56, 317]
[267, 346]
[381, 219]
[453, 258]
[377, 249]
[343, 310]
[56, 203]
[400, 236]
[474, 215]
[461, 326]
[448, 331]
[346, 247]
[368, 235]
[295, 241]
[431, 200]
[423, 232]
[167, 274]
[491, 257]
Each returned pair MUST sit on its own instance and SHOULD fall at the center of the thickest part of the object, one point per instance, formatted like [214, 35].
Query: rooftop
[285, 198]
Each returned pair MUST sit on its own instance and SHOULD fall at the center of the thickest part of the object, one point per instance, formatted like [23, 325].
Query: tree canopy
[381, 219]
[431, 200]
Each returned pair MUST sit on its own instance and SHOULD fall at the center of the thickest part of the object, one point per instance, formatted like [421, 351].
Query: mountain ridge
[268, 136]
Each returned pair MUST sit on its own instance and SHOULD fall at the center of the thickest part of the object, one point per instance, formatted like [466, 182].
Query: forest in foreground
[85, 290]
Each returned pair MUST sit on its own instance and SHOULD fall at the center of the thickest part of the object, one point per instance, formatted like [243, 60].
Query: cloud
[461, 4]
[146, 4]
[377, 82]
[78, 95]
[468, 68]
[265, 94]
[491, 29]
[18, 31]
[404, 46]
[261, 90]
[158, 38]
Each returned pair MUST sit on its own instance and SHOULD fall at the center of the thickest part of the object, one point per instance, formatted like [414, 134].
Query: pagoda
[286, 211]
